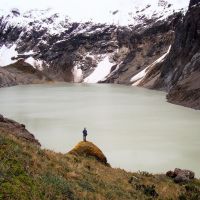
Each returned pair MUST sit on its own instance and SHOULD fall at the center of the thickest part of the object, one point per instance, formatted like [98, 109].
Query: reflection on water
[136, 128]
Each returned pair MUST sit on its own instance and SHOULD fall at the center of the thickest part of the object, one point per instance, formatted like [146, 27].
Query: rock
[181, 176]
[170, 174]
[12, 127]
[133, 179]
[21, 72]
[1, 118]
[177, 171]
[191, 174]
[89, 149]
[193, 2]
[15, 12]
[185, 172]
[23, 126]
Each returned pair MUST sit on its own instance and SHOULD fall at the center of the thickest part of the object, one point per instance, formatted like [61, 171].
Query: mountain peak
[126, 13]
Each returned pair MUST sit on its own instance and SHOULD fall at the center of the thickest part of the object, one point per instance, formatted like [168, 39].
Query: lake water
[135, 128]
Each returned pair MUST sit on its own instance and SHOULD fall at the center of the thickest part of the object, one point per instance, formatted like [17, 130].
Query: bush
[192, 192]
[148, 190]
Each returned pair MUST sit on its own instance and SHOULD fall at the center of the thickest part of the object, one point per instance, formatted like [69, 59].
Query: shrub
[192, 192]
[148, 190]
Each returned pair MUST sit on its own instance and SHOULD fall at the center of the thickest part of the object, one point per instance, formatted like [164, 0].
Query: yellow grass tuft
[89, 149]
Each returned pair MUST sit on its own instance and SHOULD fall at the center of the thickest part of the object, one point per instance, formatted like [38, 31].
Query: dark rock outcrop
[144, 47]
[179, 74]
[193, 2]
[181, 176]
[21, 73]
[12, 127]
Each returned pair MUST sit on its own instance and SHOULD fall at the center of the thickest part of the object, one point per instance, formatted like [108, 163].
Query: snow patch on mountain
[36, 63]
[6, 54]
[141, 75]
[139, 12]
[77, 74]
[48, 20]
[101, 71]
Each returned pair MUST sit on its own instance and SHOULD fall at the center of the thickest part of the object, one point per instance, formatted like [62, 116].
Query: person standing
[84, 134]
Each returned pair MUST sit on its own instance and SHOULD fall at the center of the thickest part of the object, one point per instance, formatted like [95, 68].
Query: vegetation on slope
[29, 172]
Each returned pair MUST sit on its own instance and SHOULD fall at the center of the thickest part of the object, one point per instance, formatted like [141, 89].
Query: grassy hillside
[28, 172]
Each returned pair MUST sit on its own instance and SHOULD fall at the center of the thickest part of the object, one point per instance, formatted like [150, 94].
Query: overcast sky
[84, 9]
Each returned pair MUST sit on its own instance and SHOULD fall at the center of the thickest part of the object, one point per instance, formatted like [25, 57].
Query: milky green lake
[135, 128]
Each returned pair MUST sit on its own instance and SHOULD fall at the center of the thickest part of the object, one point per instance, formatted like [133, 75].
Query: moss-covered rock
[89, 149]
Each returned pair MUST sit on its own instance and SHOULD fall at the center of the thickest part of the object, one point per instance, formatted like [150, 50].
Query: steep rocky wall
[62, 49]
[179, 74]
[145, 46]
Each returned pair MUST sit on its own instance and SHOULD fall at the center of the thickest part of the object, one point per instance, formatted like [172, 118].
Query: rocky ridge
[71, 51]
[21, 73]
[11, 127]
[179, 73]
[181, 176]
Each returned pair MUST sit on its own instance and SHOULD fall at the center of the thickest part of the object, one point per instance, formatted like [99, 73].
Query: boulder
[181, 178]
[170, 174]
[181, 175]
[89, 149]
[184, 172]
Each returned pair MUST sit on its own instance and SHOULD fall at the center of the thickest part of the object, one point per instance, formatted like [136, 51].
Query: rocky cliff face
[72, 51]
[21, 73]
[193, 2]
[145, 46]
[179, 74]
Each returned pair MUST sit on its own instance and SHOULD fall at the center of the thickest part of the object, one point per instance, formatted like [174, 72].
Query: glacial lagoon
[135, 128]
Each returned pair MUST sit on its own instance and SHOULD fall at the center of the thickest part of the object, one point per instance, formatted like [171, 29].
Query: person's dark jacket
[85, 132]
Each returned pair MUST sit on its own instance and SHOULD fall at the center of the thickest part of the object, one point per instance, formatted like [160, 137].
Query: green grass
[28, 172]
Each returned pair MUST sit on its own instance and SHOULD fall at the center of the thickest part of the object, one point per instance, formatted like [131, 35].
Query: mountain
[71, 51]
[155, 48]
[179, 74]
